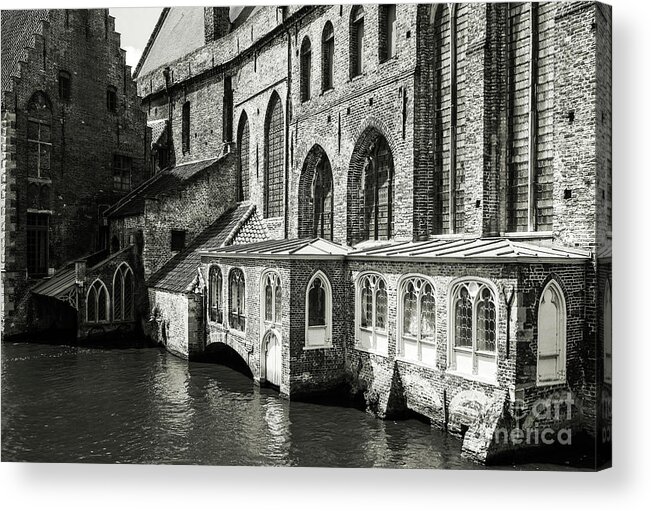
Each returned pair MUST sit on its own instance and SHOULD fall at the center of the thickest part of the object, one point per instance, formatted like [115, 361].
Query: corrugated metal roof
[309, 248]
[58, 284]
[179, 272]
[166, 181]
[480, 249]
[18, 29]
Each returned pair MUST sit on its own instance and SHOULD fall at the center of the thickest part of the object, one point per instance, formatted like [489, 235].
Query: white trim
[561, 330]
[220, 298]
[123, 274]
[328, 310]
[108, 300]
[400, 353]
[372, 330]
[227, 323]
[264, 324]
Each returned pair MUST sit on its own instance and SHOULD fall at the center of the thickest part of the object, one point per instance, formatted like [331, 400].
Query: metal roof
[58, 284]
[472, 250]
[315, 248]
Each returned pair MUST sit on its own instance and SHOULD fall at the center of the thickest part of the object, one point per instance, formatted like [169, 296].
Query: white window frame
[561, 329]
[231, 327]
[108, 302]
[379, 339]
[220, 296]
[476, 355]
[121, 272]
[276, 282]
[419, 283]
[326, 342]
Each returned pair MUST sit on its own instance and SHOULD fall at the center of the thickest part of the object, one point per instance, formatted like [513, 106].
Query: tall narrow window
[185, 128]
[322, 199]
[274, 158]
[215, 294]
[608, 335]
[387, 32]
[306, 69]
[111, 99]
[327, 57]
[37, 231]
[272, 299]
[123, 293]
[97, 303]
[237, 297]
[377, 182]
[318, 308]
[227, 111]
[39, 136]
[243, 152]
[372, 313]
[473, 333]
[65, 88]
[121, 173]
[551, 336]
[357, 41]
[417, 335]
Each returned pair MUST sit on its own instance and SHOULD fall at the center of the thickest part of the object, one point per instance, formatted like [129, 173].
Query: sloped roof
[179, 272]
[315, 248]
[162, 183]
[471, 250]
[18, 29]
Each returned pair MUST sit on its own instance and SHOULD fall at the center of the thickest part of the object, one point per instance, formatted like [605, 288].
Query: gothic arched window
[237, 314]
[215, 294]
[274, 158]
[306, 69]
[418, 320]
[327, 57]
[318, 308]
[357, 41]
[97, 303]
[243, 137]
[372, 313]
[551, 336]
[123, 293]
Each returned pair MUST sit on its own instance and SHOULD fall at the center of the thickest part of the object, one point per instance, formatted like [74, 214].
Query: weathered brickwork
[492, 120]
[77, 180]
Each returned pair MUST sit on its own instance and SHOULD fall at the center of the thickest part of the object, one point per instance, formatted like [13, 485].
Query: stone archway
[316, 196]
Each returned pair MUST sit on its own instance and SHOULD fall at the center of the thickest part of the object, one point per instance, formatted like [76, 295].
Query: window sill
[550, 383]
[529, 235]
[321, 347]
[327, 91]
[416, 363]
[473, 377]
[40, 211]
[237, 333]
[357, 77]
[38, 179]
[372, 352]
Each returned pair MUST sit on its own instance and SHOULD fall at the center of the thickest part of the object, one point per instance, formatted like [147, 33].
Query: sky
[135, 25]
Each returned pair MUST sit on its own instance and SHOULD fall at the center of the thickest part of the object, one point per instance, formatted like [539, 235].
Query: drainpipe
[287, 119]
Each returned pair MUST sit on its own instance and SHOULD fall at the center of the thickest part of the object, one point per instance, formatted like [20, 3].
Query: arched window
[243, 147]
[215, 294]
[271, 299]
[39, 135]
[318, 308]
[327, 57]
[473, 330]
[551, 336]
[97, 303]
[306, 69]
[64, 86]
[123, 291]
[357, 41]
[387, 31]
[315, 200]
[372, 313]
[608, 334]
[274, 158]
[377, 182]
[417, 317]
[237, 315]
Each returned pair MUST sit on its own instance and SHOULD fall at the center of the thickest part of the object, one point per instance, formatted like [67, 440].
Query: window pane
[117, 296]
[486, 326]
[463, 319]
[317, 304]
[268, 302]
[410, 312]
[278, 303]
[381, 306]
[128, 296]
[91, 311]
[367, 305]
[275, 155]
[101, 304]
[427, 313]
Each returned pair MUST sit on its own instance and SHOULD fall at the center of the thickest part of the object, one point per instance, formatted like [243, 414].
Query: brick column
[8, 221]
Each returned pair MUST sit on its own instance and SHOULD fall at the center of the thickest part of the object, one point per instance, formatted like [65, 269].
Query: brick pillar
[216, 22]
[8, 221]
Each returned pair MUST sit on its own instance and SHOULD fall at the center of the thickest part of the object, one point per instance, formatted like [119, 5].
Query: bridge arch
[225, 354]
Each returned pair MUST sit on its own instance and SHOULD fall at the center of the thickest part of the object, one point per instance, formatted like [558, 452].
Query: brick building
[411, 203]
[73, 143]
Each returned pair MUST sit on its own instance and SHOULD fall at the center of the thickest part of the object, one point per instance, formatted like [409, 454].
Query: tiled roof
[157, 130]
[310, 248]
[166, 181]
[18, 29]
[471, 250]
[178, 273]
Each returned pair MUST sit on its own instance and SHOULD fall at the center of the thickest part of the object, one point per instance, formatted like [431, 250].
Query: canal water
[143, 405]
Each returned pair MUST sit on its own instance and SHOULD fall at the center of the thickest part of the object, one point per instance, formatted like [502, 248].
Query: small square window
[111, 99]
[178, 240]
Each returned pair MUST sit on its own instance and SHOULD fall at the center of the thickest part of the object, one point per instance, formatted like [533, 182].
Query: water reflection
[67, 404]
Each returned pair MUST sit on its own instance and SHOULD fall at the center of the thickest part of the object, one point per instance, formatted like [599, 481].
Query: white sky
[135, 25]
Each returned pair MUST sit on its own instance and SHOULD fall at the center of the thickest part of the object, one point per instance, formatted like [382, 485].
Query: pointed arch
[551, 349]
[243, 153]
[271, 299]
[274, 153]
[316, 196]
[123, 293]
[97, 302]
[318, 312]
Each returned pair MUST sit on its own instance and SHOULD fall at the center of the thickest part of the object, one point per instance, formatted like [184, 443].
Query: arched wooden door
[272, 359]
